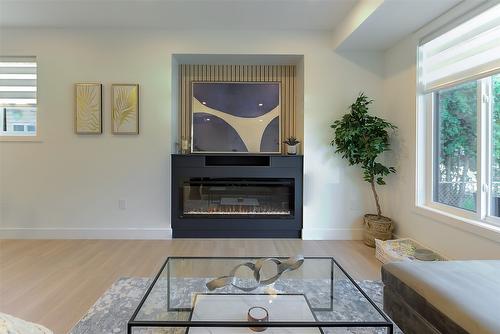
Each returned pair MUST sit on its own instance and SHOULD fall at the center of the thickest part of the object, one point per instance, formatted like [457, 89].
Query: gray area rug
[111, 312]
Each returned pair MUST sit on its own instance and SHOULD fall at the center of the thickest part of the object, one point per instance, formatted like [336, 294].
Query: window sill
[479, 228]
[32, 139]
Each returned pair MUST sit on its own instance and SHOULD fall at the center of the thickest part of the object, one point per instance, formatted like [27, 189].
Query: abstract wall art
[235, 117]
[125, 108]
[88, 108]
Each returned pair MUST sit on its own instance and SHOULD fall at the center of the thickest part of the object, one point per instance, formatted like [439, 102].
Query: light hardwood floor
[54, 282]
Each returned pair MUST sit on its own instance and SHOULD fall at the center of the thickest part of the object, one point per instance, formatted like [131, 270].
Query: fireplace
[217, 197]
[236, 196]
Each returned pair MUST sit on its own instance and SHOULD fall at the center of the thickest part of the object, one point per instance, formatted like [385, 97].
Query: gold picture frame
[125, 109]
[88, 108]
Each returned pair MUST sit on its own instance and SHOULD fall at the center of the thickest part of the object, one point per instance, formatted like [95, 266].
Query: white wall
[400, 108]
[69, 185]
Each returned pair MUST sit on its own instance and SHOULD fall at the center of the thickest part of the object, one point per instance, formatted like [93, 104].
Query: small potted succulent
[291, 145]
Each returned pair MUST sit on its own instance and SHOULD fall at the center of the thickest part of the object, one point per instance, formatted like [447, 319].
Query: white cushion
[13, 325]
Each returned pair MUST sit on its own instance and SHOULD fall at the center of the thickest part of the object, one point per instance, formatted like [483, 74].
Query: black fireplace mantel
[271, 209]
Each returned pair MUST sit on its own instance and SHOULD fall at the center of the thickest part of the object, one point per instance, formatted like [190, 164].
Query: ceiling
[176, 14]
[389, 23]
[393, 20]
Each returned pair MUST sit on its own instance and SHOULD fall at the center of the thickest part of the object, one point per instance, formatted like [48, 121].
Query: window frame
[27, 138]
[426, 159]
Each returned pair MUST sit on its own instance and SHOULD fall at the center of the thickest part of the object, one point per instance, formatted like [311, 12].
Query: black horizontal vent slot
[217, 160]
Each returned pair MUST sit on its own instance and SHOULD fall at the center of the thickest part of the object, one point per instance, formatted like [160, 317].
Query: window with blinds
[468, 51]
[18, 96]
[459, 118]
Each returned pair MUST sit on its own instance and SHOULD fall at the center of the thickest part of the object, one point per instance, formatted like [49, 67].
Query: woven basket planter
[376, 227]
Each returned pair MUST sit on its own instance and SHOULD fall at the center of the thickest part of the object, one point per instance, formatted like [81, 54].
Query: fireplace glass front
[225, 197]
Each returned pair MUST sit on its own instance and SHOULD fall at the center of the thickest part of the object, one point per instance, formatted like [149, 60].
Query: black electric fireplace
[238, 196]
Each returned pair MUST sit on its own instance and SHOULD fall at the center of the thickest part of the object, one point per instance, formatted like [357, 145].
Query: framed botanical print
[125, 108]
[88, 108]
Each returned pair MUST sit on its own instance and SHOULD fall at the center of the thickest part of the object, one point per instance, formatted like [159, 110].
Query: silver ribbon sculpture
[292, 263]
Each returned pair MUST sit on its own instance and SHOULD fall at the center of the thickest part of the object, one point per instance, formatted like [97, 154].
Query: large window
[459, 75]
[18, 90]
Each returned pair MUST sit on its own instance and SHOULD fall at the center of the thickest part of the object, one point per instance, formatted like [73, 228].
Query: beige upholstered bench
[443, 297]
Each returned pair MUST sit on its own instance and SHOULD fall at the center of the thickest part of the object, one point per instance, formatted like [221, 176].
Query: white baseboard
[153, 233]
[86, 233]
[332, 234]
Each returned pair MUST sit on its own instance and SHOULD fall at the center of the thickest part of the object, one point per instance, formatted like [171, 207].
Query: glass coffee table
[219, 295]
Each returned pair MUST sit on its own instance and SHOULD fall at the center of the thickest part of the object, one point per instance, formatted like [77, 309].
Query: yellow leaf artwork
[88, 109]
[125, 109]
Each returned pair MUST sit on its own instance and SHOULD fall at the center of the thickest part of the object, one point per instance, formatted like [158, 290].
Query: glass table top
[306, 293]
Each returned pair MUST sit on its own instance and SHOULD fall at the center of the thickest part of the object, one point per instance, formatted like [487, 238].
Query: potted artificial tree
[360, 138]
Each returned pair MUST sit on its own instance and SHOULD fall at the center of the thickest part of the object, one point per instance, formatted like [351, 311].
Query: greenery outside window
[466, 140]
[455, 146]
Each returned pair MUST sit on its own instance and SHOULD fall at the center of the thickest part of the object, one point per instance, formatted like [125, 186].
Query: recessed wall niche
[284, 69]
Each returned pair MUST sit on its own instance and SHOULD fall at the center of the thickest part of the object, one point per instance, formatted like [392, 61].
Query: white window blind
[18, 81]
[468, 51]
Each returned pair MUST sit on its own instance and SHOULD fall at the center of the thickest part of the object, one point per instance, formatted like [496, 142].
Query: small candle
[258, 314]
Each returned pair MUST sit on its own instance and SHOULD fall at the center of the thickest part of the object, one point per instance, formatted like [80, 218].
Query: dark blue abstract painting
[236, 117]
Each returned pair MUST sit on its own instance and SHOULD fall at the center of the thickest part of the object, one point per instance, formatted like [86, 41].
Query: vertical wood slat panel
[284, 100]
[282, 79]
[292, 98]
[182, 77]
[290, 106]
[190, 72]
[283, 106]
[183, 100]
[287, 120]
[285, 74]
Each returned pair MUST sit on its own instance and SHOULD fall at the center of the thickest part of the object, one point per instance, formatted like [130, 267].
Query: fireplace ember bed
[236, 196]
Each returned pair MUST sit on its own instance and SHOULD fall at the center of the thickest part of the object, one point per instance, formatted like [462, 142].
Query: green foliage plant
[360, 138]
[291, 141]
